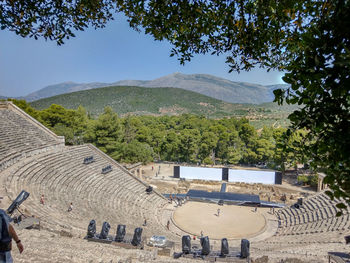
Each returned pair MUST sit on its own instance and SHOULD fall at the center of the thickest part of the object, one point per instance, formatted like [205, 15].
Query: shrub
[303, 179]
[311, 180]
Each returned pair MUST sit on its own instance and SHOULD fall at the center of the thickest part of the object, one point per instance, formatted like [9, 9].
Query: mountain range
[212, 86]
[129, 100]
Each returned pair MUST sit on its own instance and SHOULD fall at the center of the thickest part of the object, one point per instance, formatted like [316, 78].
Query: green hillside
[164, 101]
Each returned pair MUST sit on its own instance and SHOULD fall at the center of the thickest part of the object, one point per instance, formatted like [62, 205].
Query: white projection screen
[200, 173]
[250, 176]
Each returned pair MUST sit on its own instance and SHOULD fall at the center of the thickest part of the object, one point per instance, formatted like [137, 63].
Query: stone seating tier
[316, 215]
[21, 137]
[63, 178]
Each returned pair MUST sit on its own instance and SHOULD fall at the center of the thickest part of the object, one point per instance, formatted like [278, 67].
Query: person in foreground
[7, 233]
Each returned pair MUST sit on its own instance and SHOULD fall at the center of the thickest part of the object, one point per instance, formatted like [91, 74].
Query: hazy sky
[104, 55]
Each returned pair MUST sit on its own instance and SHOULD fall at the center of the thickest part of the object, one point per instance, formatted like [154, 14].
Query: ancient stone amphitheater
[34, 159]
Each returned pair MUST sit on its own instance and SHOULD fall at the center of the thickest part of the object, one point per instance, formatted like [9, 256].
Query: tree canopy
[309, 40]
[185, 138]
[53, 20]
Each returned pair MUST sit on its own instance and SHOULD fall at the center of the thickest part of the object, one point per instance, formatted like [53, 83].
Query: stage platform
[225, 198]
[229, 198]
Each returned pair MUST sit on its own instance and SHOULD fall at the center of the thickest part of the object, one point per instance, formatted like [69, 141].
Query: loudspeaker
[186, 244]
[300, 201]
[245, 245]
[205, 245]
[177, 255]
[105, 230]
[278, 177]
[224, 247]
[347, 239]
[91, 228]
[149, 189]
[224, 174]
[176, 171]
[136, 240]
[120, 233]
[18, 201]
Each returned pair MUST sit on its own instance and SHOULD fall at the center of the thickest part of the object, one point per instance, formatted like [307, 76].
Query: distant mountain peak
[66, 82]
[209, 85]
[177, 74]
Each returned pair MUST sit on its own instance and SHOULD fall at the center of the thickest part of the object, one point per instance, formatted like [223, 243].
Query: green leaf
[339, 213]
[341, 206]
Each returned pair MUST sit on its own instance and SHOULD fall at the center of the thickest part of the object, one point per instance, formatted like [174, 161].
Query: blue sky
[105, 55]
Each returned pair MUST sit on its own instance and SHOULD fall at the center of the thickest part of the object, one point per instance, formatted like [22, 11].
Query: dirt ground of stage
[232, 222]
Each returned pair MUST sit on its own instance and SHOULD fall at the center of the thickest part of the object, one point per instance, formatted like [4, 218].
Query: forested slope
[166, 101]
[184, 138]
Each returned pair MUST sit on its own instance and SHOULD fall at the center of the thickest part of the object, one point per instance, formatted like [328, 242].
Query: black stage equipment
[88, 160]
[245, 245]
[205, 245]
[107, 169]
[224, 174]
[278, 177]
[347, 239]
[178, 255]
[224, 247]
[300, 201]
[105, 230]
[136, 240]
[176, 171]
[186, 244]
[18, 201]
[149, 189]
[91, 228]
[120, 233]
